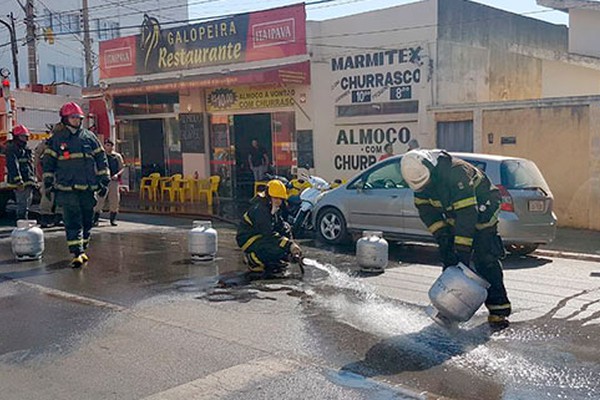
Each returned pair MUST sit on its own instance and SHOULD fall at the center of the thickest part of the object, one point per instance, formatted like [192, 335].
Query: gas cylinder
[27, 240]
[202, 241]
[456, 295]
[372, 251]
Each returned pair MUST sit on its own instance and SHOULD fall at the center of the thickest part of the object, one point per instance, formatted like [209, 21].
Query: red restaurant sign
[264, 35]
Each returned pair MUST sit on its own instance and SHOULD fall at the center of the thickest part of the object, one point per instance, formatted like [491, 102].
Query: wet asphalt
[142, 321]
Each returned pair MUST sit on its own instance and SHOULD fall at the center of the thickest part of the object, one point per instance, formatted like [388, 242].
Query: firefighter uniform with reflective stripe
[263, 236]
[460, 207]
[21, 175]
[75, 166]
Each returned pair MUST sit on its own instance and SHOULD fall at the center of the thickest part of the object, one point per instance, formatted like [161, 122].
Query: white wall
[337, 153]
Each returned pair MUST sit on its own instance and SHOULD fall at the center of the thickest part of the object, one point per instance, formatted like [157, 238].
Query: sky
[339, 8]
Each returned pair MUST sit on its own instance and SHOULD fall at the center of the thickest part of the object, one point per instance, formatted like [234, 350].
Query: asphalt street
[141, 321]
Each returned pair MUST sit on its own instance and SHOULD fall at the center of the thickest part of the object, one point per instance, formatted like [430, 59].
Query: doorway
[455, 136]
[247, 128]
[152, 146]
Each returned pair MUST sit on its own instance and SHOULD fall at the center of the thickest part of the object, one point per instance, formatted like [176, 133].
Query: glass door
[283, 138]
[222, 158]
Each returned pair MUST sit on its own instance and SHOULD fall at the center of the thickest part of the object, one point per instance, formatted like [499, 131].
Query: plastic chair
[169, 186]
[149, 186]
[209, 188]
[184, 187]
[215, 181]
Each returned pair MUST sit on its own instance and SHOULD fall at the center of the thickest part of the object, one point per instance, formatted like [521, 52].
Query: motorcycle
[304, 192]
[308, 198]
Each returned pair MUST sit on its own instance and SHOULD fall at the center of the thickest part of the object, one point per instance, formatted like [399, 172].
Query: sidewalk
[574, 243]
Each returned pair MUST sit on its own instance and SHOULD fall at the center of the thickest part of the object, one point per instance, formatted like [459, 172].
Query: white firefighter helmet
[416, 168]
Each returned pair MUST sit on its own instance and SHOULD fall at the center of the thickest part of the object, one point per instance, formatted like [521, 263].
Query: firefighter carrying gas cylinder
[460, 207]
[263, 235]
[75, 166]
[21, 170]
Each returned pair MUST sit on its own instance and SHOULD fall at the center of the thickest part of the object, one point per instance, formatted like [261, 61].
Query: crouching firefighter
[75, 166]
[264, 236]
[460, 206]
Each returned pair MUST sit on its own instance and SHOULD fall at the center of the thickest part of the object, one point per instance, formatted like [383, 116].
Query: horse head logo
[150, 36]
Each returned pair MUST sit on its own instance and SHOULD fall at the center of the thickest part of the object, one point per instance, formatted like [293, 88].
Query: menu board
[191, 128]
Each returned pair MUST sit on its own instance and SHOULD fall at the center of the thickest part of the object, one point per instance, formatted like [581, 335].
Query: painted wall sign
[359, 146]
[269, 34]
[383, 76]
[248, 98]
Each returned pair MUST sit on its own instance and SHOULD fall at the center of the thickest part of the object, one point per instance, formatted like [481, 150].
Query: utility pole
[89, 76]
[31, 44]
[13, 46]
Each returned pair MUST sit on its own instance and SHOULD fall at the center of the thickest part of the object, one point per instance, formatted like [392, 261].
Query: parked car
[379, 199]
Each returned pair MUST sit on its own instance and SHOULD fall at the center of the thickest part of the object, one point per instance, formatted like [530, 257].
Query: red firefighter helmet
[20, 130]
[71, 109]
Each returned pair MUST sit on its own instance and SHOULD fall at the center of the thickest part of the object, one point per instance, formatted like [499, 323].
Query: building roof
[565, 5]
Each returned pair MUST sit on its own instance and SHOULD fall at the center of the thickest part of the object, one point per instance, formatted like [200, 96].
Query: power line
[358, 33]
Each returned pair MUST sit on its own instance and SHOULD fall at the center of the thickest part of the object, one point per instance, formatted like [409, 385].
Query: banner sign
[378, 77]
[357, 147]
[248, 98]
[263, 35]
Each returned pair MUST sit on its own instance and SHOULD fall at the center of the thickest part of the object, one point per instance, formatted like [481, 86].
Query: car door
[378, 200]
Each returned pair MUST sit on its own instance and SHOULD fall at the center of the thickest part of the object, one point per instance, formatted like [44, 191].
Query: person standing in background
[116, 166]
[258, 160]
[389, 152]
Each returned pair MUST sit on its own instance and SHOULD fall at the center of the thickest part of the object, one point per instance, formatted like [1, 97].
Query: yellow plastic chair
[184, 189]
[170, 186]
[203, 189]
[149, 187]
[209, 188]
[215, 181]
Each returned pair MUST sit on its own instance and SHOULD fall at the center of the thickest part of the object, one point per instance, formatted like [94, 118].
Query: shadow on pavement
[417, 351]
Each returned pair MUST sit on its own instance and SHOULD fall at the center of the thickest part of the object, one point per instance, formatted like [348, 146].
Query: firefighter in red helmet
[21, 170]
[75, 167]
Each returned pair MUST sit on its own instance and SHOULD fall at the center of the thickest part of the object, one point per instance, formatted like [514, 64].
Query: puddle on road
[543, 358]
[378, 337]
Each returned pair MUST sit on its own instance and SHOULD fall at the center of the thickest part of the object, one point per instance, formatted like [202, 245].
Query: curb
[181, 214]
[568, 255]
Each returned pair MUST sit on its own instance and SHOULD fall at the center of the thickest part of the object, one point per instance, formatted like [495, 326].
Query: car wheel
[331, 226]
[521, 249]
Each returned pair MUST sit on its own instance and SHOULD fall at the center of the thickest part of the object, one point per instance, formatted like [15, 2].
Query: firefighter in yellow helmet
[264, 236]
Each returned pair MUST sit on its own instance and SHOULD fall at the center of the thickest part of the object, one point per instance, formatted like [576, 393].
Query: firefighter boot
[498, 322]
[79, 260]
[113, 218]
[45, 221]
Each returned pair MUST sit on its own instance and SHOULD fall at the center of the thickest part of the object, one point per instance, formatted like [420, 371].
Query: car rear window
[522, 174]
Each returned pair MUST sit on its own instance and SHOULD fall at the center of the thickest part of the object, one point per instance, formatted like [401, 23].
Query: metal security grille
[455, 136]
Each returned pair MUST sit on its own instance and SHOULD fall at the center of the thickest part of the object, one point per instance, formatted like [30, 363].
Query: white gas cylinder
[372, 251]
[202, 241]
[27, 240]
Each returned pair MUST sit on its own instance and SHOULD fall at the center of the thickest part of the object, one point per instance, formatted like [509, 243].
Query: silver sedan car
[379, 199]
